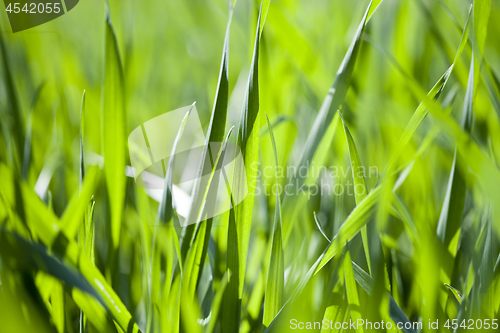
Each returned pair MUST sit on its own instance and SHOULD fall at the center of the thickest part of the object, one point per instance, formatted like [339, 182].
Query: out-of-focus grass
[83, 249]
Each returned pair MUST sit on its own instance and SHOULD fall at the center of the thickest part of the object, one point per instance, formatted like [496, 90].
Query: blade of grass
[215, 134]
[455, 292]
[352, 291]
[276, 273]
[86, 230]
[248, 141]
[113, 130]
[166, 209]
[240, 217]
[318, 223]
[78, 204]
[86, 241]
[352, 225]
[452, 210]
[197, 251]
[359, 181]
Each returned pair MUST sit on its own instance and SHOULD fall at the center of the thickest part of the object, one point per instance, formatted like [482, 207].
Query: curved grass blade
[455, 292]
[240, 217]
[248, 141]
[352, 225]
[277, 121]
[166, 207]
[318, 224]
[359, 181]
[355, 164]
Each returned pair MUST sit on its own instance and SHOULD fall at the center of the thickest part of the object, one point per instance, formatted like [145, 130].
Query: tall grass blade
[248, 141]
[333, 100]
[450, 219]
[276, 272]
[240, 217]
[215, 133]
[359, 182]
[199, 245]
[113, 126]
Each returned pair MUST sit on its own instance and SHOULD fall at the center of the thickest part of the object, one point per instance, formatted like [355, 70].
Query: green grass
[414, 104]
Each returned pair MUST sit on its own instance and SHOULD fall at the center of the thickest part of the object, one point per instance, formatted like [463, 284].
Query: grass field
[370, 135]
